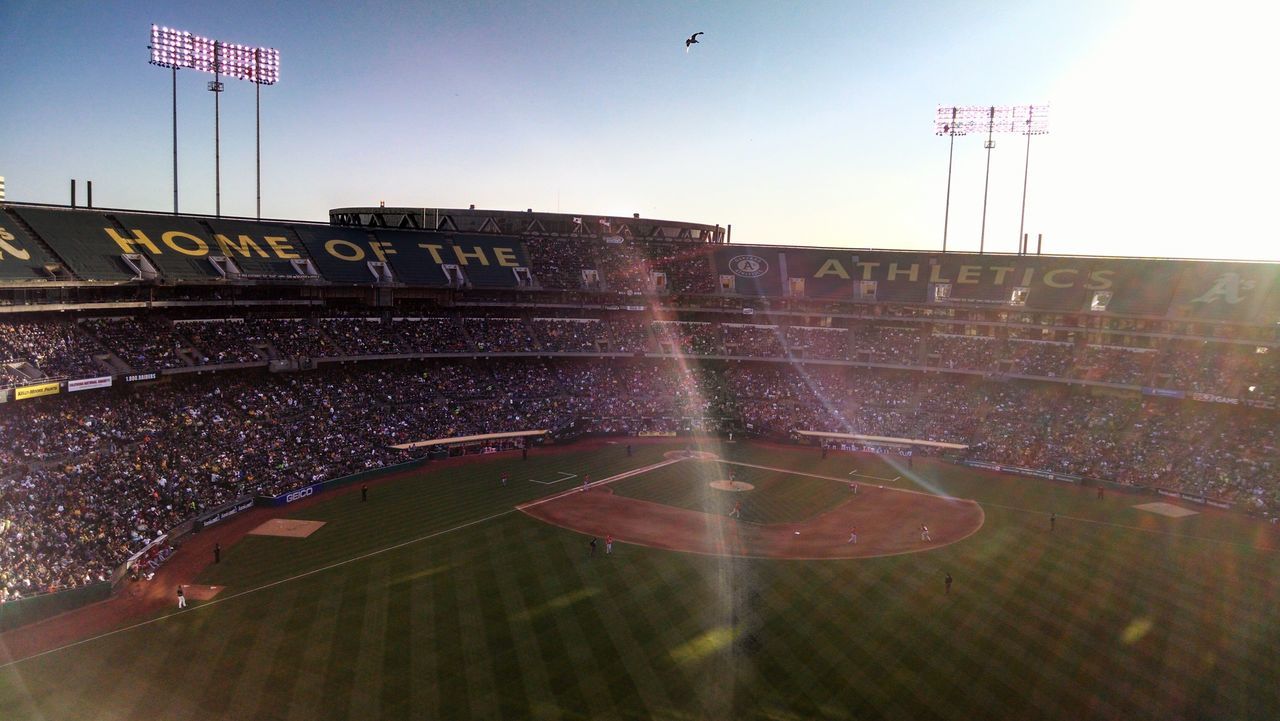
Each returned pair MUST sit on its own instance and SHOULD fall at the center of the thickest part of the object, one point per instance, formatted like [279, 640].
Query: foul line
[601, 482]
[563, 477]
[837, 479]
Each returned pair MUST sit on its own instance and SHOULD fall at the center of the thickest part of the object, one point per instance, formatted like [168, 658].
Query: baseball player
[1053, 521]
[608, 544]
[737, 510]
[854, 488]
[924, 533]
[504, 480]
[853, 536]
[947, 581]
[182, 598]
[586, 483]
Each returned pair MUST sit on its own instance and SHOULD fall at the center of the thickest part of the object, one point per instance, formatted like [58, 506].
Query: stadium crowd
[88, 478]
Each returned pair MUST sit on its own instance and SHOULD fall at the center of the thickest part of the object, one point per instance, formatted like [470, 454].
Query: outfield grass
[1115, 614]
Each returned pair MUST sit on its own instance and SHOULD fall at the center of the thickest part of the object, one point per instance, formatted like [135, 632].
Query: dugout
[484, 443]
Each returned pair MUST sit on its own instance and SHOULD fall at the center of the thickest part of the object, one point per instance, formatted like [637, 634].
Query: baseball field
[732, 591]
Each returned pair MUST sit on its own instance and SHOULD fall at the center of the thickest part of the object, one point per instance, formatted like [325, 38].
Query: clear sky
[796, 122]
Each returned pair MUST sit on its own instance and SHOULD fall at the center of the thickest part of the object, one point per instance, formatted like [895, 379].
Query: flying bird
[692, 40]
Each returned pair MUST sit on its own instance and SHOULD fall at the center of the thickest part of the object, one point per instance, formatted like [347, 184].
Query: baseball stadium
[419, 462]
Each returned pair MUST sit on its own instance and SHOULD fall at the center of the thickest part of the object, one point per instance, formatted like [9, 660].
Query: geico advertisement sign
[298, 494]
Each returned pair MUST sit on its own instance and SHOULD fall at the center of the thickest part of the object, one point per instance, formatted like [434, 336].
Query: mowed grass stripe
[366, 671]
[424, 648]
[284, 668]
[393, 691]
[530, 660]
[255, 661]
[308, 696]
[578, 665]
[339, 676]
[476, 655]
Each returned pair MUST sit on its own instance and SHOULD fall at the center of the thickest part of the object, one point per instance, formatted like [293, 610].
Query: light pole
[1037, 124]
[946, 125]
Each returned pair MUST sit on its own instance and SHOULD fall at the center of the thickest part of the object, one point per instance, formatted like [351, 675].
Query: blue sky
[799, 123]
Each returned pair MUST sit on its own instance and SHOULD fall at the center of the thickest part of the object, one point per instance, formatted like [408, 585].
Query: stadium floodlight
[1006, 119]
[177, 49]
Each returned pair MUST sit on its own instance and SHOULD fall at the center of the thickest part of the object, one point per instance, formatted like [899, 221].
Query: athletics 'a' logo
[1227, 287]
[748, 266]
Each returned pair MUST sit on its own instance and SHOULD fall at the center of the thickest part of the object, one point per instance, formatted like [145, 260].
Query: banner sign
[136, 377]
[296, 494]
[43, 389]
[1065, 477]
[1163, 393]
[1212, 398]
[85, 384]
[225, 512]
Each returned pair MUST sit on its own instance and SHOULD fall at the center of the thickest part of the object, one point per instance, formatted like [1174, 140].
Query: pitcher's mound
[737, 486]
[200, 593]
[289, 527]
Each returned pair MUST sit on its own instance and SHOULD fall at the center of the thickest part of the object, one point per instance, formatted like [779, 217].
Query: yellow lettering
[506, 257]
[356, 252]
[833, 266]
[434, 250]
[866, 269]
[6, 247]
[1001, 271]
[282, 248]
[911, 273]
[242, 245]
[1102, 278]
[170, 239]
[382, 249]
[935, 275]
[969, 274]
[476, 252]
[1049, 278]
[126, 244]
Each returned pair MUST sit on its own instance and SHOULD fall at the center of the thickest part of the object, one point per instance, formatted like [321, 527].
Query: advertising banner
[84, 384]
[224, 512]
[42, 389]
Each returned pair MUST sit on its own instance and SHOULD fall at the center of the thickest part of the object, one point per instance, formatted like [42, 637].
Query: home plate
[1166, 509]
[200, 593]
[288, 527]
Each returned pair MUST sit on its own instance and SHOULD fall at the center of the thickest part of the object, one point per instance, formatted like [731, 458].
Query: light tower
[179, 49]
[962, 120]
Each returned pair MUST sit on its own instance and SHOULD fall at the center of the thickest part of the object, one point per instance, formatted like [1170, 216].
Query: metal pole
[991, 128]
[217, 142]
[946, 214]
[175, 139]
[1025, 170]
[257, 138]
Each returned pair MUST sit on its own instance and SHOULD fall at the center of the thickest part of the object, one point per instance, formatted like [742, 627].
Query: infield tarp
[79, 239]
[21, 257]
